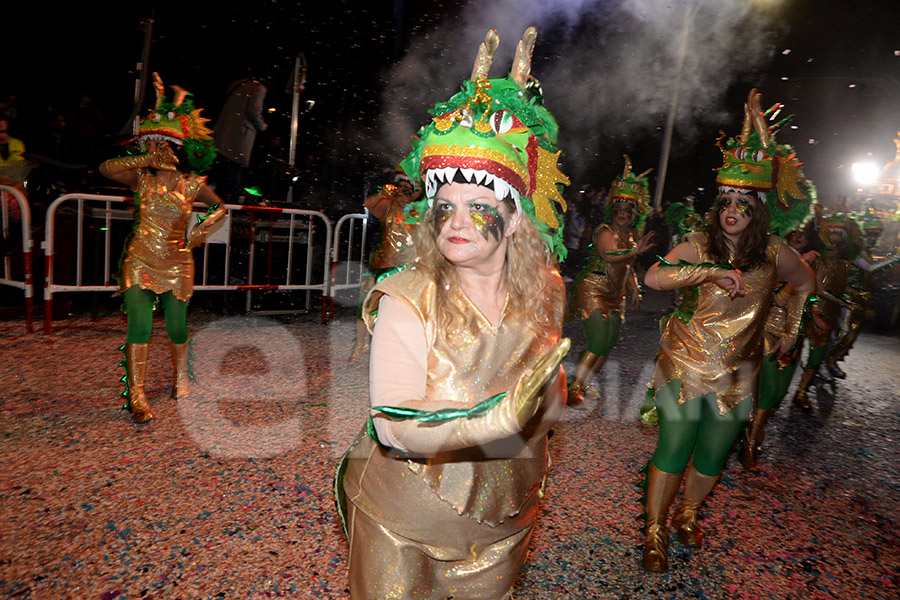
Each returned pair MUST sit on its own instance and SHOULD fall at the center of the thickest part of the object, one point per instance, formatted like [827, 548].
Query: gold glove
[508, 417]
[670, 276]
[201, 231]
[114, 166]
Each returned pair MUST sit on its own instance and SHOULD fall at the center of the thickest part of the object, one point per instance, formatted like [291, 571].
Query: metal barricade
[348, 256]
[22, 280]
[295, 244]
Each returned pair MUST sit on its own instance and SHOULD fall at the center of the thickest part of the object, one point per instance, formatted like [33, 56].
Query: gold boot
[697, 487]
[753, 439]
[588, 365]
[661, 488]
[362, 342]
[181, 364]
[806, 379]
[135, 372]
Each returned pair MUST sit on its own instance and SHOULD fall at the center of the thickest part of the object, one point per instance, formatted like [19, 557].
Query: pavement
[228, 493]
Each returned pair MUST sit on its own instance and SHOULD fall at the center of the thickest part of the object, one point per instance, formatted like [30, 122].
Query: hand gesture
[732, 282]
[163, 158]
[529, 392]
[645, 242]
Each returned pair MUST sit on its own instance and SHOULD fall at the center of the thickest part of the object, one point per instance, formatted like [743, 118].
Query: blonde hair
[534, 285]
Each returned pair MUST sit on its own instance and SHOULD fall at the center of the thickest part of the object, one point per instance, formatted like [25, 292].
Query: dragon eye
[740, 153]
[502, 121]
[758, 155]
[170, 116]
[156, 117]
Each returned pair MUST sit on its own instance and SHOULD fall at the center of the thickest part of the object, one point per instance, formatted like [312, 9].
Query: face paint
[742, 204]
[443, 212]
[487, 220]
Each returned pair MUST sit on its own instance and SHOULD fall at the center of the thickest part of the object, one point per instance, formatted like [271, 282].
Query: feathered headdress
[180, 123]
[497, 132]
[754, 162]
[631, 188]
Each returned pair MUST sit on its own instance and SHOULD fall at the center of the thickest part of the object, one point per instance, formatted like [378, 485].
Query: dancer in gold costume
[600, 288]
[157, 264]
[391, 206]
[707, 369]
[439, 494]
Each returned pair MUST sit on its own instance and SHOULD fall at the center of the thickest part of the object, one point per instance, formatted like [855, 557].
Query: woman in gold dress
[439, 493]
[707, 370]
[157, 265]
[600, 288]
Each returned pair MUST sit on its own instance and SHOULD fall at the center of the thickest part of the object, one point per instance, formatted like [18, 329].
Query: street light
[865, 173]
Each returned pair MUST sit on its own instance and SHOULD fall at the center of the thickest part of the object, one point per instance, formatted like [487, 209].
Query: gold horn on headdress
[485, 57]
[180, 94]
[627, 170]
[160, 89]
[521, 67]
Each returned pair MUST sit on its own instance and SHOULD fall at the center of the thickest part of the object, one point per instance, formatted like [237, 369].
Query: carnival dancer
[859, 289]
[707, 368]
[832, 267]
[439, 493]
[608, 273]
[391, 206]
[157, 265]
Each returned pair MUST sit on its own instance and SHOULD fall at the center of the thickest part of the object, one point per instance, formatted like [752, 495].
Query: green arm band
[397, 413]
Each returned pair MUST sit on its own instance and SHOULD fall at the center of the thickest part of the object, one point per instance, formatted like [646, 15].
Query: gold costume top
[835, 274]
[776, 320]
[601, 284]
[157, 256]
[495, 484]
[719, 349]
[396, 238]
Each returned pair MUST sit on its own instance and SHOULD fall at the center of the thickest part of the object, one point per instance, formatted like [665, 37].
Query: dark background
[374, 68]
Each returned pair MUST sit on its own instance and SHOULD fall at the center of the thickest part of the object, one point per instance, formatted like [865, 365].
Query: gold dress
[835, 273]
[458, 523]
[601, 284]
[720, 348]
[157, 256]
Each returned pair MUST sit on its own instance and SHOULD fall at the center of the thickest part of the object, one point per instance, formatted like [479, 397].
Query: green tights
[139, 308]
[695, 428]
[602, 331]
[774, 382]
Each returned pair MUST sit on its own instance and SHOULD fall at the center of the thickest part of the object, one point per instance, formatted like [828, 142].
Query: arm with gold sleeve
[680, 268]
[802, 281]
[208, 221]
[404, 419]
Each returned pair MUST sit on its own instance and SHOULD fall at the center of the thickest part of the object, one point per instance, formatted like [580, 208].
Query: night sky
[607, 68]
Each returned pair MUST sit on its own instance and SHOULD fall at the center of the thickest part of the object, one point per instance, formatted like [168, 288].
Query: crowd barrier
[14, 274]
[348, 256]
[295, 246]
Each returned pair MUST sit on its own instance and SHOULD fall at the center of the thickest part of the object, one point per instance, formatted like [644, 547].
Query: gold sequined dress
[157, 256]
[601, 285]
[719, 350]
[457, 523]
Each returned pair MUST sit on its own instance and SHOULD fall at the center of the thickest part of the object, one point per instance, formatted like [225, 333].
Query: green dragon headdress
[633, 189]
[754, 162]
[180, 123]
[497, 132]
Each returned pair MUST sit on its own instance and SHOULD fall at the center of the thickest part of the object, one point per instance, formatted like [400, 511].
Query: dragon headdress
[631, 188]
[179, 122]
[754, 162]
[497, 132]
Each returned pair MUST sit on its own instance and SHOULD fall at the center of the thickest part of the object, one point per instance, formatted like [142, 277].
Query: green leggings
[774, 382]
[815, 356]
[602, 331]
[695, 428]
[139, 308]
